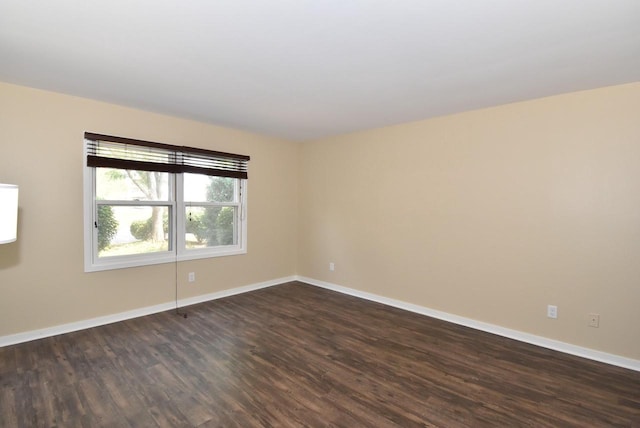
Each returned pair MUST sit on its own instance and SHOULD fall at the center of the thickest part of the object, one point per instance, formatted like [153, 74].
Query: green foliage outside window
[218, 221]
[215, 225]
[108, 226]
[143, 229]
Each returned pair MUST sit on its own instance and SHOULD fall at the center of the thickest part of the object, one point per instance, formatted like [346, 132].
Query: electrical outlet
[332, 266]
[594, 320]
[192, 276]
[552, 311]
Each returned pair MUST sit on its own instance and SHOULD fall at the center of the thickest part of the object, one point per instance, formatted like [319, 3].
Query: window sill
[130, 262]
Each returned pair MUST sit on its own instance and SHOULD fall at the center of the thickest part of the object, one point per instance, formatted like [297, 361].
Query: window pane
[132, 230]
[211, 226]
[129, 185]
[205, 188]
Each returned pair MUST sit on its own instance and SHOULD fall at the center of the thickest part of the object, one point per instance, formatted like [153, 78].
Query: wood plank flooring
[296, 355]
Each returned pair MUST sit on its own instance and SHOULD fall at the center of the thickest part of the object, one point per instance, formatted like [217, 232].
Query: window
[149, 203]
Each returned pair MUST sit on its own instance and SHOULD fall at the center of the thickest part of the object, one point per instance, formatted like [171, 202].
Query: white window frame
[241, 225]
[177, 208]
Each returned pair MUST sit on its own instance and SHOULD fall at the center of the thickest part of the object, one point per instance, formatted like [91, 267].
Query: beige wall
[490, 215]
[42, 283]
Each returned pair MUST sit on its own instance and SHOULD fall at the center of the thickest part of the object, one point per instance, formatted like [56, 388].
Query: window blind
[125, 153]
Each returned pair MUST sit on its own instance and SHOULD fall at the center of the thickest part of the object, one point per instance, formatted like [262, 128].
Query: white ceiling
[305, 69]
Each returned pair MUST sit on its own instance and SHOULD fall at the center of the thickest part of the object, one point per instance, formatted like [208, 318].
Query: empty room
[290, 213]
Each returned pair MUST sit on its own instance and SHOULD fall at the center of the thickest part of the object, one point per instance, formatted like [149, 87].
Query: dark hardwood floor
[296, 355]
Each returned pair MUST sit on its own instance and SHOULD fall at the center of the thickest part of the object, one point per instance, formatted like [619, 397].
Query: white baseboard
[556, 345]
[233, 291]
[27, 336]
[544, 342]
